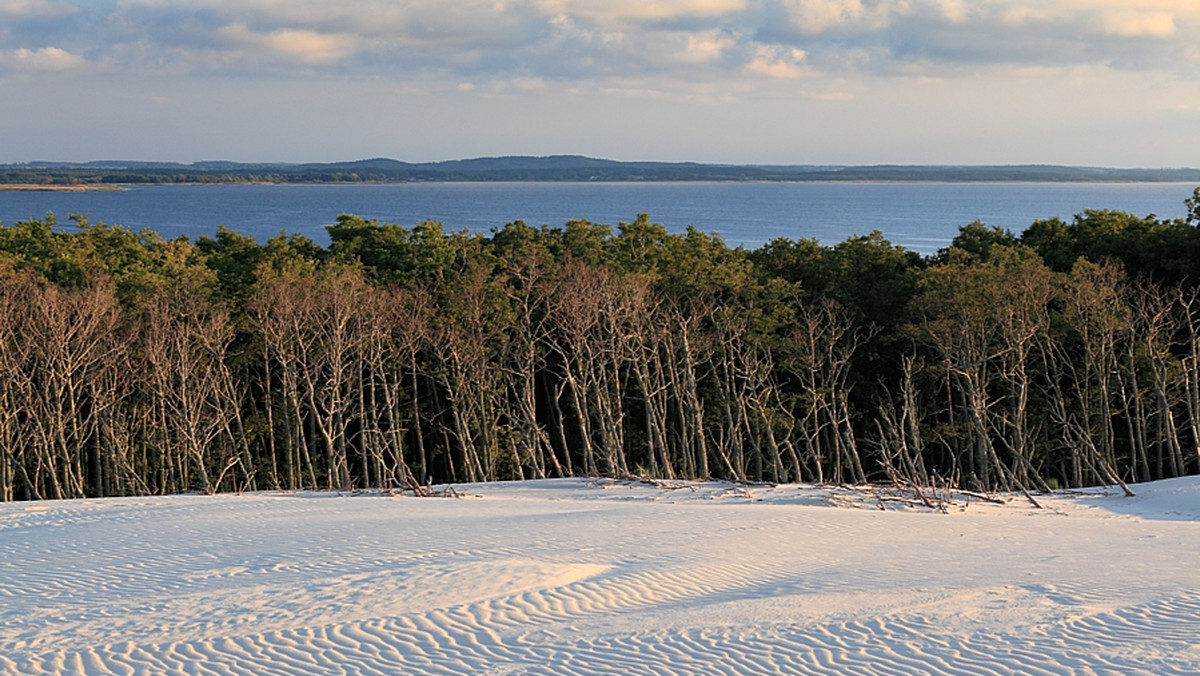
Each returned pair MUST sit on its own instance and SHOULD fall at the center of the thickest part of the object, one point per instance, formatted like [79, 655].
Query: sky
[1081, 82]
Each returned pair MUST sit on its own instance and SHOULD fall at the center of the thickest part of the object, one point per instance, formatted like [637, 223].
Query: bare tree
[1157, 323]
[277, 316]
[818, 356]
[72, 342]
[191, 387]
[575, 315]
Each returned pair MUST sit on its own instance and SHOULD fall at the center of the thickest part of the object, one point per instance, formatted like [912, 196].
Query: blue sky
[1093, 82]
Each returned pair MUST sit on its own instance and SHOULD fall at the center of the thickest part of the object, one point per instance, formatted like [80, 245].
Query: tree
[190, 388]
[818, 355]
[529, 266]
[466, 341]
[235, 259]
[984, 321]
[1084, 412]
[975, 241]
[74, 351]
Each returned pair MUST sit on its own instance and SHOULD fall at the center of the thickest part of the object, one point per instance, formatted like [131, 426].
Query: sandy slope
[579, 577]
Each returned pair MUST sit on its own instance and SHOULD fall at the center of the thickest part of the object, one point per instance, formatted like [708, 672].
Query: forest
[397, 357]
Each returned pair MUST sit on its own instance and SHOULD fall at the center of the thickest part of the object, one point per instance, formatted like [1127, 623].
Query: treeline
[552, 168]
[367, 173]
[70, 176]
[1068, 355]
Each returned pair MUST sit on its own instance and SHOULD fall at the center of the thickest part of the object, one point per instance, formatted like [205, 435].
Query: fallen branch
[668, 485]
[983, 496]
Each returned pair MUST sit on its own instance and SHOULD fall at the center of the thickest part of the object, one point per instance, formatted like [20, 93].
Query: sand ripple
[463, 640]
[277, 585]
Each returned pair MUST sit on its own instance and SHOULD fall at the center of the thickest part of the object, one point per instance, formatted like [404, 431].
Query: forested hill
[549, 168]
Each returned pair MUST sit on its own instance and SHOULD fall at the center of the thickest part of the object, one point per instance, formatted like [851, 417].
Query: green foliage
[235, 259]
[1165, 250]
[1193, 208]
[586, 241]
[384, 251]
[873, 279]
[975, 241]
[801, 261]
[523, 245]
[640, 246]
[1054, 241]
[287, 251]
[137, 263]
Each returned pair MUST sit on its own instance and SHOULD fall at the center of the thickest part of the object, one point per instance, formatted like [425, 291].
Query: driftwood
[983, 496]
[428, 491]
[411, 486]
[668, 485]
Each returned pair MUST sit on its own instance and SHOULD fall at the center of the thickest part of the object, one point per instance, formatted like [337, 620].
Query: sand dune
[602, 577]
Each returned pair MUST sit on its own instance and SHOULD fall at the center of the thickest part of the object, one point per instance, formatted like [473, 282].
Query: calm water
[923, 217]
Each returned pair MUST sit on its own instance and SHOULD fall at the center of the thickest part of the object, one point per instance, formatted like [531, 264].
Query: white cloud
[777, 63]
[706, 46]
[619, 11]
[1135, 23]
[955, 11]
[299, 45]
[529, 83]
[43, 60]
[817, 16]
[568, 31]
[304, 47]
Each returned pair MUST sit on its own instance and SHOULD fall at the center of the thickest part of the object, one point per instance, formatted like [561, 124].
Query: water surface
[920, 216]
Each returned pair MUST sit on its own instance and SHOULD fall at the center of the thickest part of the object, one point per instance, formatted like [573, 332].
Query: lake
[923, 217]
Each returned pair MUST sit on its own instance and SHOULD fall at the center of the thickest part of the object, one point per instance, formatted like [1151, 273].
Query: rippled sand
[603, 577]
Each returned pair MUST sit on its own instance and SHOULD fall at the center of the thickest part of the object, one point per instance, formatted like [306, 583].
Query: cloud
[954, 38]
[1021, 15]
[46, 59]
[777, 63]
[300, 45]
[681, 44]
[529, 83]
[1135, 23]
[34, 9]
[814, 17]
[632, 11]
[706, 46]
[955, 11]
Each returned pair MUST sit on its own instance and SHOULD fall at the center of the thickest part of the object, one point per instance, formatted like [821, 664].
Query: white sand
[579, 577]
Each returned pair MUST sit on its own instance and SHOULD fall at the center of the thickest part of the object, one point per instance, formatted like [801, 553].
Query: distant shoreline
[561, 168]
[58, 187]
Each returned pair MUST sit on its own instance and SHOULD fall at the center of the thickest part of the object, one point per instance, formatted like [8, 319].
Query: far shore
[60, 187]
